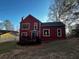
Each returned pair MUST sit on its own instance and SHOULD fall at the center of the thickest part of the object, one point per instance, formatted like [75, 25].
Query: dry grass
[7, 36]
[7, 46]
[65, 49]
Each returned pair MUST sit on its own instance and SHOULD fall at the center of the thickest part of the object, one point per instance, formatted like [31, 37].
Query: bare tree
[71, 13]
[65, 11]
[55, 10]
[8, 25]
[1, 26]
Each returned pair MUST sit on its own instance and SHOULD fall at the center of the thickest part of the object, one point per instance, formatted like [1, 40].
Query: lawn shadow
[28, 43]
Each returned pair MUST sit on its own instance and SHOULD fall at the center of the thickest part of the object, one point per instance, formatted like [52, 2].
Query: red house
[32, 27]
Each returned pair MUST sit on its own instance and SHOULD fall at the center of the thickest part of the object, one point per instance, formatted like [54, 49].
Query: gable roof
[53, 24]
[30, 16]
[43, 24]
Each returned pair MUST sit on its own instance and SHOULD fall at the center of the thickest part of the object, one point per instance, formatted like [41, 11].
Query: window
[46, 32]
[35, 26]
[59, 32]
[25, 26]
[24, 34]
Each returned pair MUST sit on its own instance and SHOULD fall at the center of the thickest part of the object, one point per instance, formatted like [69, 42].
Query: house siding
[31, 22]
[53, 33]
[53, 29]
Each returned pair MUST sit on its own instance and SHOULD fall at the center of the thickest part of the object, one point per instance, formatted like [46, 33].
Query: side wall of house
[53, 33]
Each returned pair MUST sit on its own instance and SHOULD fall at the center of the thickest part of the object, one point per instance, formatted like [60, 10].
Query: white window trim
[25, 33]
[46, 35]
[60, 32]
[35, 24]
[26, 28]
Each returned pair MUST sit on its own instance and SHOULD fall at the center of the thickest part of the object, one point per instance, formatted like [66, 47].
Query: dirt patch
[65, 49]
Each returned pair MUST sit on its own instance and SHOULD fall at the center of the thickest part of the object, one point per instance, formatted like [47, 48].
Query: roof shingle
[53, 24]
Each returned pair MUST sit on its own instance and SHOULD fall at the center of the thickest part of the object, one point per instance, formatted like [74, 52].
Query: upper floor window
[35, 26]
[46, 32]
[59, 32]
[25, 26]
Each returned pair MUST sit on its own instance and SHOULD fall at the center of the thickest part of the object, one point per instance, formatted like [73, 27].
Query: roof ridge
[33, 17]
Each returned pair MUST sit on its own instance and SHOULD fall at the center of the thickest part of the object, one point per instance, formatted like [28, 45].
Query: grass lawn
[61, 49]
[7, 46]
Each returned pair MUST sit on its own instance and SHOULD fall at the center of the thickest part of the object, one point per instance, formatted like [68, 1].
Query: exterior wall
[53, 33]
[31, 21]
[53, 30]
